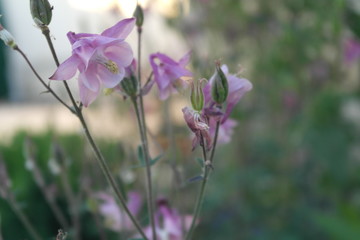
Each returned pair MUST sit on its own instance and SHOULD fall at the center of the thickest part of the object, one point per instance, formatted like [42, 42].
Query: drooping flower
[237, 88]
[168, 223]
[115, 218]
[198, 124]
[100, 59]
[168, 73]
[352, 51]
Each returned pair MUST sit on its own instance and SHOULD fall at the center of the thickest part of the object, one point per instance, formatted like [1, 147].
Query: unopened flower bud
[130, 86]
[220, 87]
[41, 12]
[197, 95]
[139, 15]
[7, 37]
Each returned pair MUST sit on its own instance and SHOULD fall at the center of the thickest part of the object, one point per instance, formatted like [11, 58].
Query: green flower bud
[139, 15]
[197, 95]
[41, 11]
[220, 87]
[130, 86]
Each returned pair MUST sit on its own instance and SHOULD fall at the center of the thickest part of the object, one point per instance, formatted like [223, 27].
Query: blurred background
[292, 169]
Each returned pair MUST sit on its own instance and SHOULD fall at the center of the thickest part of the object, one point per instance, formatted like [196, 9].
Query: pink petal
[73, 37]
[67, 69]
[120, 30]
[120, 52]
[185, 59]
[90, 78]
[86, 95]
[108, 78]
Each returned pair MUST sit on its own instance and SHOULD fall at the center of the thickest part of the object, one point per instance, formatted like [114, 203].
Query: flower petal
[67, 69]
[120, 30]
[86, 95]
[109, 79]
[185, 59]
[90, 78]
[119, 52]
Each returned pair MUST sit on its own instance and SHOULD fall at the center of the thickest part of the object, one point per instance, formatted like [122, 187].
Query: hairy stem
[41, 80]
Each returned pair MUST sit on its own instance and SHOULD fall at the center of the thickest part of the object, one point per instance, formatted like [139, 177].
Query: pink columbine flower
[237, 88]
[168, 73]
[198, 124]
[100, 59]
[115, 218]
[352, 51]
[168, 223]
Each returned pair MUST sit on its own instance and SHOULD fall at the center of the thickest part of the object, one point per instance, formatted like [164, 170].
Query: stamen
[112, 67]
[199, 122]
[109, 64]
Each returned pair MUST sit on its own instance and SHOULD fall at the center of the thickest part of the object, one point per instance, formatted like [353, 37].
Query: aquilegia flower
[237, 88]
[168, 73]
[115, 218]
[352, 50]
[168, 223]
[100, 59]
[198, 124]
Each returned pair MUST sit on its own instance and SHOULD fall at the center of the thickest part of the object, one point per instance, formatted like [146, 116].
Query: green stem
[148, 170]
[20, 214]
[143, 133]
[207, 170]
[106, 171]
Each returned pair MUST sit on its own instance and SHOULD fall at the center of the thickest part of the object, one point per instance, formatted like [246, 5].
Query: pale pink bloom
[352, 50]
[168, 223]
[116, 218]
[100, 59]
[198, 125]
[168, 73]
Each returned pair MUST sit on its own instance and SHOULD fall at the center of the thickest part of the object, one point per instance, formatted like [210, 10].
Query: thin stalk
[109, 178]
[20, 214]
[41, 80]
[143, 133]
[215, 141]
[99, 157]
[148, 171]
[207, 169]
[45, 30]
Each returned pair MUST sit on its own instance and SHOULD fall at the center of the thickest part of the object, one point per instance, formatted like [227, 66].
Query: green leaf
[142, 160]
[141, 155]
[200, 162]
[196, 179]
